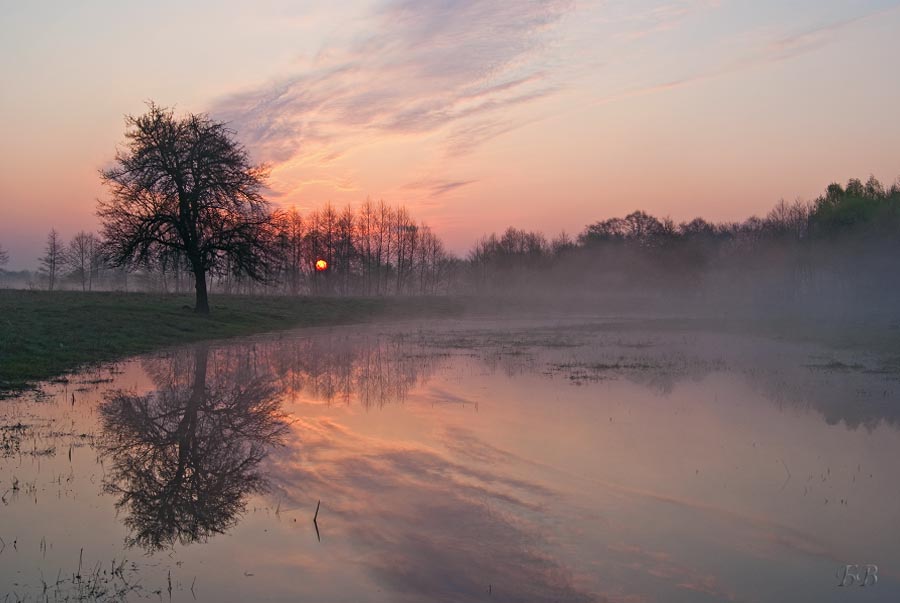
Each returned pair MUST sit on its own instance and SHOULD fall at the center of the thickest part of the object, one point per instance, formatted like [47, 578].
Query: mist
[830, 258]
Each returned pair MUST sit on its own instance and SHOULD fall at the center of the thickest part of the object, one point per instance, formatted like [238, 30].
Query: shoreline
[46, 335]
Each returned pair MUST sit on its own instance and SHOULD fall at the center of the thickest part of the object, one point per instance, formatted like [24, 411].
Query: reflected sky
[565, 461]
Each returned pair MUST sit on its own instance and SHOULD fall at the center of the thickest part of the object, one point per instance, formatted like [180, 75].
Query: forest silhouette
[822, 255]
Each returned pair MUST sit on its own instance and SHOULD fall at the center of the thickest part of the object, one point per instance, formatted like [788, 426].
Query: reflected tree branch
[186, 456]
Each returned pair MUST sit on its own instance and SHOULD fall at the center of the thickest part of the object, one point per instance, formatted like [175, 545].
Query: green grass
[45, 335]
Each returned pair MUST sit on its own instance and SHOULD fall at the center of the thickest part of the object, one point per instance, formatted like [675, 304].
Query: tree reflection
[185, 457]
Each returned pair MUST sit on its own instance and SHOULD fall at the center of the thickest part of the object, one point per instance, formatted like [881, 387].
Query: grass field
[44, 334]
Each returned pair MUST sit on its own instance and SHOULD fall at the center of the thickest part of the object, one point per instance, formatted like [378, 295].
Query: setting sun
[321, 265]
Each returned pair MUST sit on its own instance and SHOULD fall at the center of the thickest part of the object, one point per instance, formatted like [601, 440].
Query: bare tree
[52, 260]
[98, 262]
[185, 184]
[345, 248]
[383, 247]
[365, 234]
[4, 256]
[80, 256]
[294, 249]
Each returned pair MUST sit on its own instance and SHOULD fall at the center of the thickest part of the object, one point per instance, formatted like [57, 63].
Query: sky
[476, 115]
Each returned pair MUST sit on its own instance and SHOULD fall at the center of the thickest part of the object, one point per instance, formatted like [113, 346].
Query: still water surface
[576, 460]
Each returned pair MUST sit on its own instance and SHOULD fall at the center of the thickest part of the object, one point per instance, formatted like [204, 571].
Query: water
[577, 460]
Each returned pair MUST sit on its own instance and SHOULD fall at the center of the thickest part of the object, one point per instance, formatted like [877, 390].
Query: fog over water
[572, 459]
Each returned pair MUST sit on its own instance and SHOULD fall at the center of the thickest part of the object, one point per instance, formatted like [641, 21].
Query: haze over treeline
[833, 255]
[822, 255]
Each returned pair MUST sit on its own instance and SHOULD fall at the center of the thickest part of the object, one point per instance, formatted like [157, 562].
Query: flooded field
[577, 460]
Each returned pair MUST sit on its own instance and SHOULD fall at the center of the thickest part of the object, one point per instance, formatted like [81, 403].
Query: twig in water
[788, 476]
[316, 521]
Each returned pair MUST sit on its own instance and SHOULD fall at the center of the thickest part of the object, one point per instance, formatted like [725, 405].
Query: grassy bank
[43, 335]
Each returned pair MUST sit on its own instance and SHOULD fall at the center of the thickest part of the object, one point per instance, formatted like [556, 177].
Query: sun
[321, 265]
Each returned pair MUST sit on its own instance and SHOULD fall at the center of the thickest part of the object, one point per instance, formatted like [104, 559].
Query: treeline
[374, 250]
[835, 253]
[77, 264]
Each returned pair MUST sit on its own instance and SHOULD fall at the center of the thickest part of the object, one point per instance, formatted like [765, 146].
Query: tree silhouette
[53, 258]
[80, 256]
[185, 457]
[185, 185]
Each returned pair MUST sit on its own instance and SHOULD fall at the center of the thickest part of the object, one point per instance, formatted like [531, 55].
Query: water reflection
[427, 526]
[186, 456]
[520, 464]
[843, 386]
[365, 367]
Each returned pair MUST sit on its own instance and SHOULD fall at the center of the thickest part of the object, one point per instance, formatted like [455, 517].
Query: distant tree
[697, 228]
[185, 184]
[430, 261]
[894, 191]
[833, 193]
[847, 211]
[367, 235]
[642, 227]
[53, 259]
[98, 262]
[874, 189]
[4, 256]
[290, 239]
[789, 219]
[855, 188]
[612, 229]
[562, 243]
[346, 257]
[80, 256]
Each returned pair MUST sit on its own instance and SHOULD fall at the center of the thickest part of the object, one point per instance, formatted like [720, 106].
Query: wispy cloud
[662, 17]
[450, 69]
[781, 49]
[437, 187]
[813, 38]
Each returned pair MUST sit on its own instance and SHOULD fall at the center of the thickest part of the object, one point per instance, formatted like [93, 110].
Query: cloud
[782, 49]
[428, 66]
[802, 42]
[434, 187]
[663, 17]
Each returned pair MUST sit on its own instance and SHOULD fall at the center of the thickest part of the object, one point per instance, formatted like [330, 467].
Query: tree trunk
[202, 304]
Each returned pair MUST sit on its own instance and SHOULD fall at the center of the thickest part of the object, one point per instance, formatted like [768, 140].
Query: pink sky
[544, 115]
